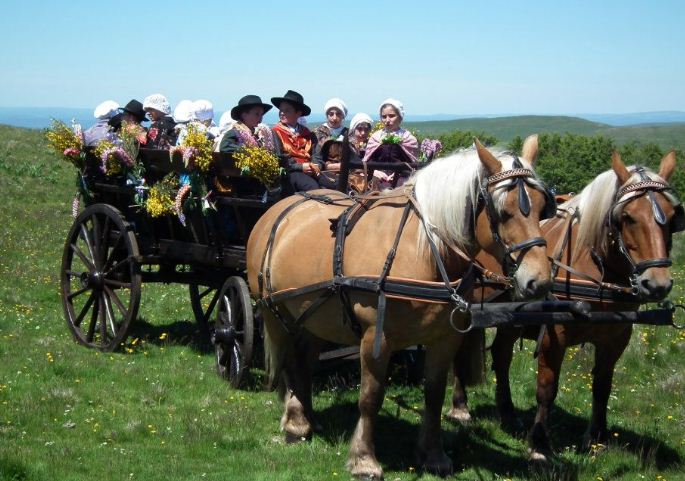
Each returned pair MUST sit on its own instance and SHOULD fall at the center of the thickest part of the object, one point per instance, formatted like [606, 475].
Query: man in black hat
[248, 114]
[134, 112]
[295, 143]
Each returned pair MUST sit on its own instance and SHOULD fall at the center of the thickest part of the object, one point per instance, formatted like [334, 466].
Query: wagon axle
[223, 335]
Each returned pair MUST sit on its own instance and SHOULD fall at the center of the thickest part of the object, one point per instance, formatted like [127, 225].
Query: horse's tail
[470, 359]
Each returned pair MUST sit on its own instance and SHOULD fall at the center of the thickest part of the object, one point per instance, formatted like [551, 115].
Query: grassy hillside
[157, 411]
[506, 128]
[667, 136]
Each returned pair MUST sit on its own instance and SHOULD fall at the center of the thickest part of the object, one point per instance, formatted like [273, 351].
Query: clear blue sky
[453, 57]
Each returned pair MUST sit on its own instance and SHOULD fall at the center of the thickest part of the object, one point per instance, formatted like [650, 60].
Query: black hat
[246, 103]
[135, 108]
[294, 98]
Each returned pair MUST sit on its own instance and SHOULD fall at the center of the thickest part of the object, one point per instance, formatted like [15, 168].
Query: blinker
[524, 201]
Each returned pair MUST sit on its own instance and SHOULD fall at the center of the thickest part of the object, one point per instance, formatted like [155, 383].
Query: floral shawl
[408, 143]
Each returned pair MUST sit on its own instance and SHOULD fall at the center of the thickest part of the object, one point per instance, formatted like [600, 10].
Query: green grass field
[157, 411]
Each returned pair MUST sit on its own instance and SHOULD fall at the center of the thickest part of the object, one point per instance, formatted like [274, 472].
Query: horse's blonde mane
[448, 186]
[593, 205]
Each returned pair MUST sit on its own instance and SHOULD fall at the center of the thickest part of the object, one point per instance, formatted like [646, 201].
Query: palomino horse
[615, 236]
[292, 247]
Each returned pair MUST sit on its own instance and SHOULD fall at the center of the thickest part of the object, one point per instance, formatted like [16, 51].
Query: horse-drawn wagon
[114, 246]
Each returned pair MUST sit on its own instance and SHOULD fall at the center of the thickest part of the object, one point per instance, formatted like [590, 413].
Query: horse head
[644, 215]
[513, 201]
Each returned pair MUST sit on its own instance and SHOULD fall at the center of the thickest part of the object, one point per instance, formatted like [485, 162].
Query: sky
[452, 57]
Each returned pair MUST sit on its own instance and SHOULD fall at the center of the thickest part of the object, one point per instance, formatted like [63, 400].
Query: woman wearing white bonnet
[329, 136]
[225, 124]
[392, 143]
[101, 129]
[161, 134]
[360, 129]
[183, 114]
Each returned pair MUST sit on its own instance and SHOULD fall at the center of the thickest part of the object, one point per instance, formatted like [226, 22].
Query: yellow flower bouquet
[259, 163]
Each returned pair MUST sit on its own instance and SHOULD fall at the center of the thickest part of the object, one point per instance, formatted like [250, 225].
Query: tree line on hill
[569, 162]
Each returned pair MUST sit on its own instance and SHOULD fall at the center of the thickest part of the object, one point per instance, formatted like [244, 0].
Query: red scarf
[297, 145]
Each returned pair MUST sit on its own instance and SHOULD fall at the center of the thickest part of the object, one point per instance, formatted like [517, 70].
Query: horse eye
[627, 218]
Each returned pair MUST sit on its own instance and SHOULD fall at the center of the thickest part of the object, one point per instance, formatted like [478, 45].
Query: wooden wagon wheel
[100, 277]
[233, 334]
[203, 300]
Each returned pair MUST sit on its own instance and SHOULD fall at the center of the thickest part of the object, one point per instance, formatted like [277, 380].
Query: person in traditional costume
[329, 139]
[360, 129]
[225, 124]
[248, 116]
[295, 143]
[392, 143]
[204, 116]
[131, 112]
[101, 130]
[183, 114]
[162, 133]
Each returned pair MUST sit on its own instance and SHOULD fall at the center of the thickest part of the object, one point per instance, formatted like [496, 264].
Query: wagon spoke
[111, 255]
[116, 266]
[205, 292]
[118, 284]
[74, 294]
[83, 257]
[103, 319]
[120, 305]
[93, 320]
[97, 242]
[85, 235]
[109, 314]
[84, 310]
[212, 304]
[72, 273]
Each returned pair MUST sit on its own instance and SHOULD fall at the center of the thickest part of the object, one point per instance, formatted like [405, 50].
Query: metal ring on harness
[462, 306]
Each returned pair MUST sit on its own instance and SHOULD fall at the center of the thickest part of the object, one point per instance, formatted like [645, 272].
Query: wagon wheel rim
[100, 278]
[234, 332]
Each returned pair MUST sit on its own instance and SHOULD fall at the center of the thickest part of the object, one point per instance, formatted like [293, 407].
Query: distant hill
[506, 128]
[667, 136]
[637, 118]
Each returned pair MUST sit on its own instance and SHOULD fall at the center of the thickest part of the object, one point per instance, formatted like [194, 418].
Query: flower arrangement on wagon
[67, 142]
[430, 149]
[256, 158]
[161, 198]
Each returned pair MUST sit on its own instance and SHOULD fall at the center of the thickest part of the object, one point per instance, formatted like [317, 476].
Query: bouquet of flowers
[430, 148]
[196, 150]
[258, 162]
[161, 199]
[115, 160]
[67, 142]
[391, 139]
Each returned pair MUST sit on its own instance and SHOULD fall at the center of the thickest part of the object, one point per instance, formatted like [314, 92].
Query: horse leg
[606, 356]
[502, 354]
[549, 366]
[430, 447]
[460, 409]
[298, 420]
[284, 363]
[468, 371]
[362, 460]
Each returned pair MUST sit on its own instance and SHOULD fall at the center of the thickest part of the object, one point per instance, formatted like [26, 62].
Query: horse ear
[667, 166]
[530, 149]
[490, 162]
[619, 167]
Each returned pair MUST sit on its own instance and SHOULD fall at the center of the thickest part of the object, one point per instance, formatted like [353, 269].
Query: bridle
[626, 194]
[519, 174]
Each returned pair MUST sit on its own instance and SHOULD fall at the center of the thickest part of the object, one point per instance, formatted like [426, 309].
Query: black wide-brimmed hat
[246, 103]
[135, 108]
[293, 98]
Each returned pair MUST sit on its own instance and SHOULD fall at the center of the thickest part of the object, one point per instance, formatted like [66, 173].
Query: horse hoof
[461, 415]
[537, 456]
[292, 438]
[365, 468]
